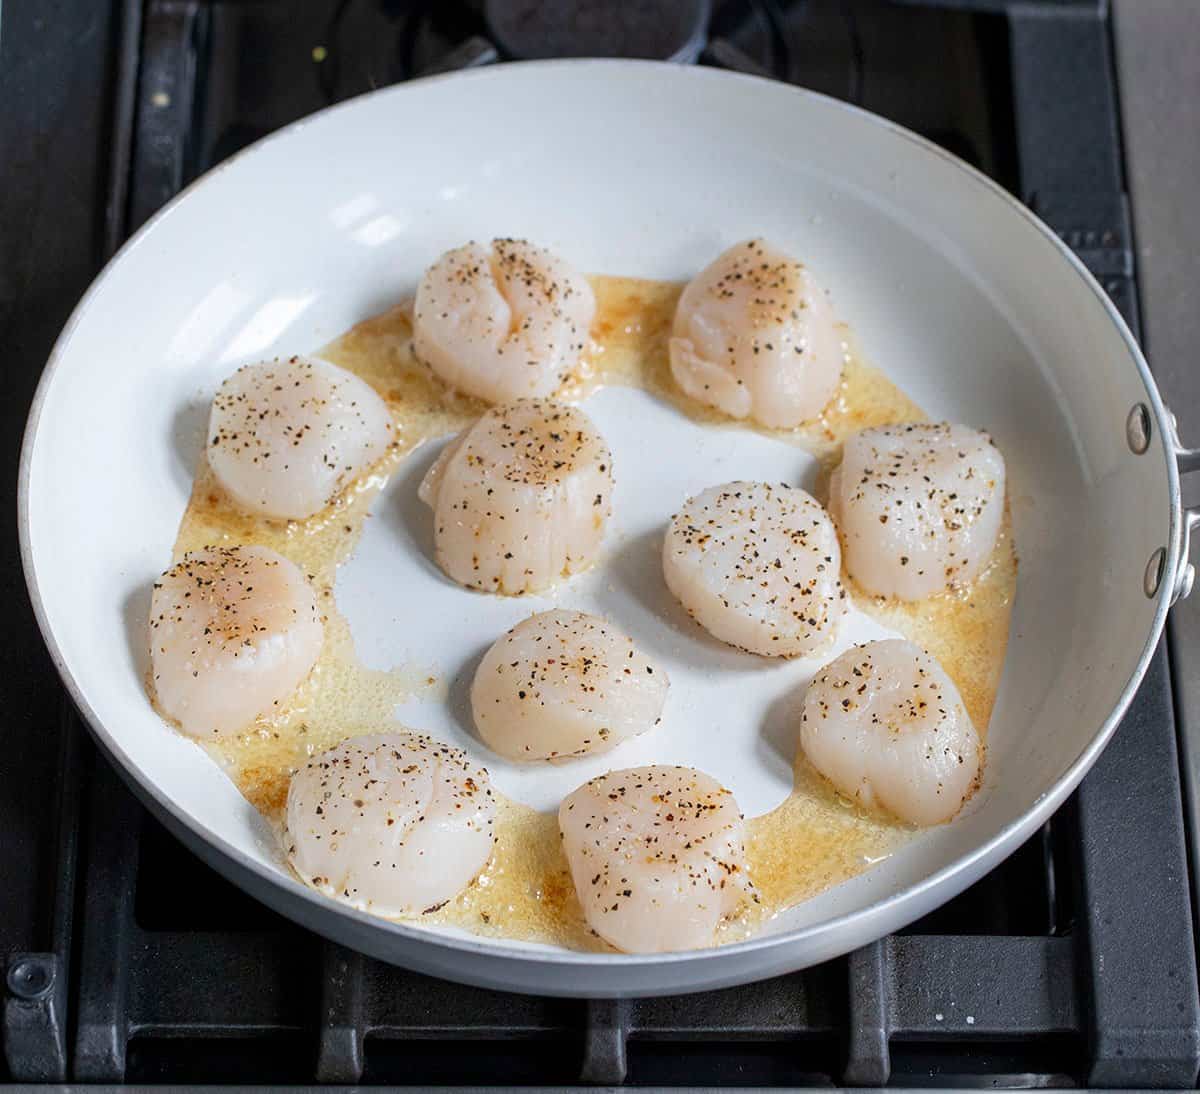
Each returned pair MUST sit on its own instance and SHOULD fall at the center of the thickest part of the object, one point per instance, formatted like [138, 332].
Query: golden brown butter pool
[813, 840]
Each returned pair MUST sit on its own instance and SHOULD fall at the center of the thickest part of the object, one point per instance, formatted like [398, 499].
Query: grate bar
[1138, 961]
[868, 1061]
[249, 979]
[981, 986]
[340, 1044]
[111, 835]
[604, 1057]
[1068, 137]
[117, 205]
[772, 1009]
[36, 984]
[173, 38]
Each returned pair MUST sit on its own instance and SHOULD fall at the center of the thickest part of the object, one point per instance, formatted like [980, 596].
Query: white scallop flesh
[756, 337]
[285, 438]
[757, 565]
[657, 855]
[919, 507]
[886, 725]
[502, 322]
[391, 823]
[521, 498]
[233, 632]
[562, 684]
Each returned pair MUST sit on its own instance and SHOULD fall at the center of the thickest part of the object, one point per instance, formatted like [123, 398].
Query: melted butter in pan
[813, 840]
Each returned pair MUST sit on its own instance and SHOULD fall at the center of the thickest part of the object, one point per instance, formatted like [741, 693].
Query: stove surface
[129, 961]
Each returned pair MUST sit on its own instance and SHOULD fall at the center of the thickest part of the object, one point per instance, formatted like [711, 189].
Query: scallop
[285, 438]
[233, 632]
[503, 322]
[757, 565]
[521, 498]
[886, 725]
[391, 823]
[562, 684]
[756, 337]
[919, 507]
[657, 855]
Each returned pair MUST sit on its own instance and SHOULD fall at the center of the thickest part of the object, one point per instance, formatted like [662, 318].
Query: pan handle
[1187, 460]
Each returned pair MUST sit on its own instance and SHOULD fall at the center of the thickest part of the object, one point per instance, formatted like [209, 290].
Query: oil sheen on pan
[814, 839]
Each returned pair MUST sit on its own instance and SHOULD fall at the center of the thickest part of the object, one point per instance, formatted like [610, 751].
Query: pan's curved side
[532, 974]
[1091, 408]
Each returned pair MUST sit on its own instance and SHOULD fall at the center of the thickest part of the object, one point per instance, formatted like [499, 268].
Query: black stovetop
[1072, 964]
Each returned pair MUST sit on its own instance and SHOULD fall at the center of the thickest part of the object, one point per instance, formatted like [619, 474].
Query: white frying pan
[971, 304]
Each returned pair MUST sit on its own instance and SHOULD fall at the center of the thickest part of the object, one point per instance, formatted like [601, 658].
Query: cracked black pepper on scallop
[502, 322]
[521, 498]
[562, 684]
[919, 507]
[757, 565]
[285, 438]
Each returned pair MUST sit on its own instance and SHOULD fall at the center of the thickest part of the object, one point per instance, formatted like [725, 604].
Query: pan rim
[891, 906]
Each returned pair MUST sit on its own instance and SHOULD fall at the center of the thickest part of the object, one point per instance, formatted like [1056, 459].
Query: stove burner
[661, 30]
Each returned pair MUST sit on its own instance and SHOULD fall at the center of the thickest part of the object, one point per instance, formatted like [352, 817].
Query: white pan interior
[624, 168]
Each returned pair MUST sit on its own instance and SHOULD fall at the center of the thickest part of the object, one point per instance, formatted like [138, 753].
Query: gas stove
[1073, 964]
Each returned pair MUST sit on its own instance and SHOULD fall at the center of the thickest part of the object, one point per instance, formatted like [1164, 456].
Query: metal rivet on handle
[1183, 587]
[1138, 428]
[30, 978]
[1154, 572]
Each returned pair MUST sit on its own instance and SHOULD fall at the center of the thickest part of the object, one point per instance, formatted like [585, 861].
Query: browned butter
[813, 840]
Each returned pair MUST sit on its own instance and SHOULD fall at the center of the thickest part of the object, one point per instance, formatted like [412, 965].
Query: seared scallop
[392, 823]
[919, 507]
[285, 438]
[887, 726]
[756, 564]
[756, 337]
[521, 498]
[565, 683]
[233, 632]
[657, 855]
[502, 322]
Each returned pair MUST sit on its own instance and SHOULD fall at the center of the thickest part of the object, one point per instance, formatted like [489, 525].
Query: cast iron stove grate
[1071, 964]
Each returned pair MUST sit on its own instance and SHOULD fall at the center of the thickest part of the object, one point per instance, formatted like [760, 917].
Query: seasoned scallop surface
[886, 725]
[919, 507]
[657, 856]
[521, 498]
[233, 632]
[285, 438]
[565, 683]
[502, 322]
[756, 337]
[393, 823]
[756, 564]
